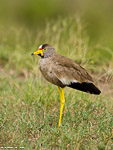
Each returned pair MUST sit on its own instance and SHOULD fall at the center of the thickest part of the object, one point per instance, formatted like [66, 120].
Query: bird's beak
[39, 52]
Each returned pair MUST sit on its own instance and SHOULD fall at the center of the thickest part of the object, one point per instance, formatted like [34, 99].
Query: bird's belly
[46, 71]
[49, 76]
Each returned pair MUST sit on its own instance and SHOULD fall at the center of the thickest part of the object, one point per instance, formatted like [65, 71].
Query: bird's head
[45, 51]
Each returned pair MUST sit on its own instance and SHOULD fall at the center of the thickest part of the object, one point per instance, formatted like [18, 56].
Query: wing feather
[67, 71]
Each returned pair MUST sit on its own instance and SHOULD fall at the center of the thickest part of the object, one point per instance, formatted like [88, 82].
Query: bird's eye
[45, 49]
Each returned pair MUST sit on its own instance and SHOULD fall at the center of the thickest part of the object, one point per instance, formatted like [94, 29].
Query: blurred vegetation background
[79, 29]
[30, 23]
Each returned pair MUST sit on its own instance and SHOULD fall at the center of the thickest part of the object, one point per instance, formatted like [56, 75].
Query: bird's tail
[85, 87]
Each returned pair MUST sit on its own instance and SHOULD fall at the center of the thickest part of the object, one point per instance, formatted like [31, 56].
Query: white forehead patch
[40, 46]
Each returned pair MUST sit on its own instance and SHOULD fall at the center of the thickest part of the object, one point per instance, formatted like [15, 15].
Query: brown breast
[45, 66]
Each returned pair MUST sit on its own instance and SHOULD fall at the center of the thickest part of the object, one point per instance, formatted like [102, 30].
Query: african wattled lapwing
[63, 72]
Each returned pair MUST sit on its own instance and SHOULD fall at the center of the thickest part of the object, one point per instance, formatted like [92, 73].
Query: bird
[64, 72]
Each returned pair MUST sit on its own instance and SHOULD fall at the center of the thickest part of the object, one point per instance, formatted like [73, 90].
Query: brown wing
[73, 75]
[68, 71]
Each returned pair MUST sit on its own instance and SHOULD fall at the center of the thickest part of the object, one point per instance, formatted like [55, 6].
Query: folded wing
[73, 75]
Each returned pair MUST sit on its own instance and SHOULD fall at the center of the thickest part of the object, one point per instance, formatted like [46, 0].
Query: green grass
[30, 106]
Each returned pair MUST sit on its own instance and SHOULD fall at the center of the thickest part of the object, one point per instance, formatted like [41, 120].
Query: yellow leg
[62, 104]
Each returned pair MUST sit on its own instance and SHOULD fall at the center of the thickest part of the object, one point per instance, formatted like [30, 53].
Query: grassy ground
[29, 106]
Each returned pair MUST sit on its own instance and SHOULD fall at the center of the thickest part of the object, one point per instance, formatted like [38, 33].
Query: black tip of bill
[32, 54]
